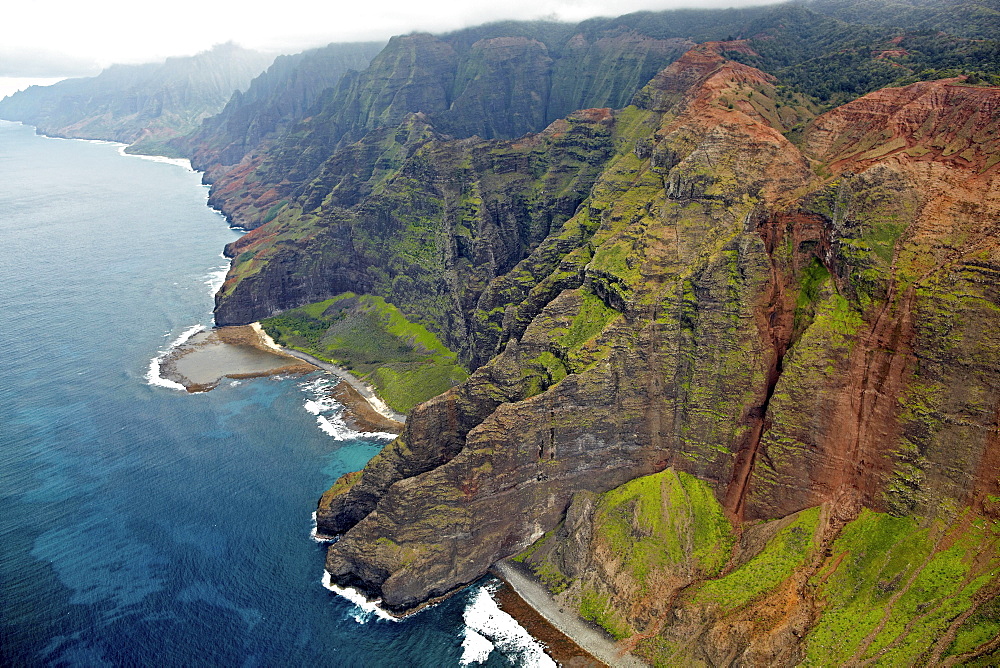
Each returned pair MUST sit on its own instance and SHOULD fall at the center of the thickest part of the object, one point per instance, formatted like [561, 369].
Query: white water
[364, 610]
[330, 413]
[488, 628]
[314, 532]
[213, 280]
[153, 376]
[217, 277]
[180, 162]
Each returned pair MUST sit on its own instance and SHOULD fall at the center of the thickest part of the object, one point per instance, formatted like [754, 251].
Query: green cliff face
[515, 81]
[281, 96]
[429, 235]
[657, 561]
[504, 80]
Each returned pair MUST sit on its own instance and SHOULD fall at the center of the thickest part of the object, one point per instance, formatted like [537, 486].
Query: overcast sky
[62, 38]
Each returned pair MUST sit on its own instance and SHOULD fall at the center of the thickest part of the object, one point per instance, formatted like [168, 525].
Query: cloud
[41, 63]
[124, 31]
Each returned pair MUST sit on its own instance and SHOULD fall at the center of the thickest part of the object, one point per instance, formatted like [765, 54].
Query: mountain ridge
[731, 327]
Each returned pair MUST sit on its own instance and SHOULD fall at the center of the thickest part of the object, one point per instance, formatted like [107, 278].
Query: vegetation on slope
[143, 105]
[371, 338]
[888, 590]
[676, 284]
[834, 61]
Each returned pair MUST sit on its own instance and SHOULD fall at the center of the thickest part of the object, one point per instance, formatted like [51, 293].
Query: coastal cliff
[501, 86]
[730, 340]
[694, 315]
[281, 96]
[800, 334]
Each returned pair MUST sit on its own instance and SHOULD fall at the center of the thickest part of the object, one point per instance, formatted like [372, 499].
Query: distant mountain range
[140, 105]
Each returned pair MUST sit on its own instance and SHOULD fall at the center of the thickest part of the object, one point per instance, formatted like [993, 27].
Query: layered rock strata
[794, 324]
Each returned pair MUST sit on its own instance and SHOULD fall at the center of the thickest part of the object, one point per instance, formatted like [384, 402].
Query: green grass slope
[403, 361]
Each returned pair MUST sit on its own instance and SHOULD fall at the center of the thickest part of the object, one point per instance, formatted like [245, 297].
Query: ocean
[140, 525]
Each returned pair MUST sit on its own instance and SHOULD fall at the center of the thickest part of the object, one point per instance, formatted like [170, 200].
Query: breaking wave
[330, 413]
[153, 376]
[217, 277]
[180, 162]
[315, 535]
[364, 610]
[213, 279]
[487, 627]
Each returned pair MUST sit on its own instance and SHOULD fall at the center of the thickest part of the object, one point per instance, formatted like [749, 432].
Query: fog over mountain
[74, 37]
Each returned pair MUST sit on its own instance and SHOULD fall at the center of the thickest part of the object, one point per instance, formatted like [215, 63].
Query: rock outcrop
[278, 98]
[462, 85]
[429, 235]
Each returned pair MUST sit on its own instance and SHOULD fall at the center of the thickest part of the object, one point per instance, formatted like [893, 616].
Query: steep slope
[504, 80]
[967, 18]
[424, 221]
[836, 61]
[670, 260]
[493, 82]
[790, 327]
[877, 405]
[280, 96]
[142, 105]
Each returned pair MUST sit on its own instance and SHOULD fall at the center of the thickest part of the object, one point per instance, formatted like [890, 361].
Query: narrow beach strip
[360, 386]
[589, 639]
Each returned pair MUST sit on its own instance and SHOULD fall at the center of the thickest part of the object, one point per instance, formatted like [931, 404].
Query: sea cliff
[799, 334]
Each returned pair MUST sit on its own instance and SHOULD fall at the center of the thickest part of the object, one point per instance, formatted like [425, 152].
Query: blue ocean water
[140, 525]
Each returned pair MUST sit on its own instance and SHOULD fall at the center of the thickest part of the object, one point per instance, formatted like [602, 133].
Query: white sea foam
[330, 413]
[485, 621]
[180, 162]
[215, 278]
[105, 142]
[364, 610]
[314, 533]
[320, 405]
[475, 648]
[335, 429]
[153, 376]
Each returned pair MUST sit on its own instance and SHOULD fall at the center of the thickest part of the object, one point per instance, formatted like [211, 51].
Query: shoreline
[566, 638]
[591, 641]
[201, 359]
[183, 163]
[362, 388]
[205, 357]
[561, 648]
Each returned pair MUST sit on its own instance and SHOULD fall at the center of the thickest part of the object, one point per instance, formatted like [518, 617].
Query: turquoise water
[140, 525]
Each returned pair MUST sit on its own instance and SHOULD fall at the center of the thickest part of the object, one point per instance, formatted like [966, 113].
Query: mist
[77, 39]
